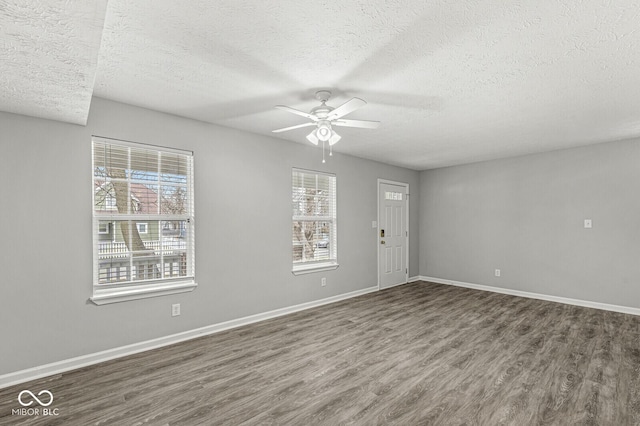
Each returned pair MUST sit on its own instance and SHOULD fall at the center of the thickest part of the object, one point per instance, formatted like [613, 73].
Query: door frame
[406, 186]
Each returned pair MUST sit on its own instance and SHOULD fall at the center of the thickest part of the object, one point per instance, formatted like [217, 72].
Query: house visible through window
[314, 227]
[143, 211]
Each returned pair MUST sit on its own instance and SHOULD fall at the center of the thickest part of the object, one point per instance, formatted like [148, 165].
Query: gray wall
[243, 232]
[525, 216]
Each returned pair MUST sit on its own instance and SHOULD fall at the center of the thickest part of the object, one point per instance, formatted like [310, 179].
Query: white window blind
[314, 227]
[143, 220]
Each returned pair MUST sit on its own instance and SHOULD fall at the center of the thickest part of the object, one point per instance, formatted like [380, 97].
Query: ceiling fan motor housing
[321, 111]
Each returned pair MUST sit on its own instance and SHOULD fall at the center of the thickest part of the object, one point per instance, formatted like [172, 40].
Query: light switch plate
[587, 223]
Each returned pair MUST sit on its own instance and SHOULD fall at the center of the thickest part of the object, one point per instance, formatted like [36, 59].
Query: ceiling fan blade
[297, 111]
[293, 127]
[363, 124]
[346, 108]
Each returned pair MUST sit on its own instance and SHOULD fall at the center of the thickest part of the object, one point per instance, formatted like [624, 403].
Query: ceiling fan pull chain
[323, 153]
[330, 150]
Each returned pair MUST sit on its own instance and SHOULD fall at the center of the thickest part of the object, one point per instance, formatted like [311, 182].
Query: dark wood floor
[417, 354]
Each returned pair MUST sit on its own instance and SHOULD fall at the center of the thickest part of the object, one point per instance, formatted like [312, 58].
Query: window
[143, 198]
[314, 227]
[142, 227]
[103, 228]
[397, 196]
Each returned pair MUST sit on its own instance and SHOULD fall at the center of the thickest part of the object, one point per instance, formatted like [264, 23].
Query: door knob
[382, 242]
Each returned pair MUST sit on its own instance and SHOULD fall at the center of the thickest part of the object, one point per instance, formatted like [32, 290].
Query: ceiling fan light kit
[324, 131]
[311, 137]
[324, 116]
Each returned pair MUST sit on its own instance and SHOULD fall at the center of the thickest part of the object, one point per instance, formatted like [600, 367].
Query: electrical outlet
[497, 272]
[175, 309]
[587, 223]
[323, 281]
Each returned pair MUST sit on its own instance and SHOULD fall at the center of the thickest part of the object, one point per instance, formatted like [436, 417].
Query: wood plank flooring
[417, 354]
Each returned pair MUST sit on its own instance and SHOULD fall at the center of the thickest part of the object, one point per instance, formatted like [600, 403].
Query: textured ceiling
[48, 57]
[451, 82]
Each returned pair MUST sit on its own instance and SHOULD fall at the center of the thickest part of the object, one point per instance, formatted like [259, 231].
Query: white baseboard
[34, 373]
[414, 279]
[558, 299]
[409, 280]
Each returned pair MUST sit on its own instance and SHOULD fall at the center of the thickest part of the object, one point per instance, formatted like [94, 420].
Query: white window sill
[103, 296]
[316, 267]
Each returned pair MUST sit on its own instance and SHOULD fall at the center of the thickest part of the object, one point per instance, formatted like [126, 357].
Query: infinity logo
[36, 398]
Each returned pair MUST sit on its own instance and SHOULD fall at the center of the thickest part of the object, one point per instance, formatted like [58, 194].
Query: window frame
[107, 231]
[106, 293]
[324, 264]
[142, 224]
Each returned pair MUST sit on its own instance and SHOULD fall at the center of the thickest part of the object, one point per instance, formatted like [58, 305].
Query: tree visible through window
[314, 218]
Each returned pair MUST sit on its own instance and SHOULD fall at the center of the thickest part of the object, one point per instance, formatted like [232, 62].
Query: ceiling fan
[323, 117]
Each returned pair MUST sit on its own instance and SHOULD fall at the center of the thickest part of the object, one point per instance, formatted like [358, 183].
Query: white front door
[392, 234]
